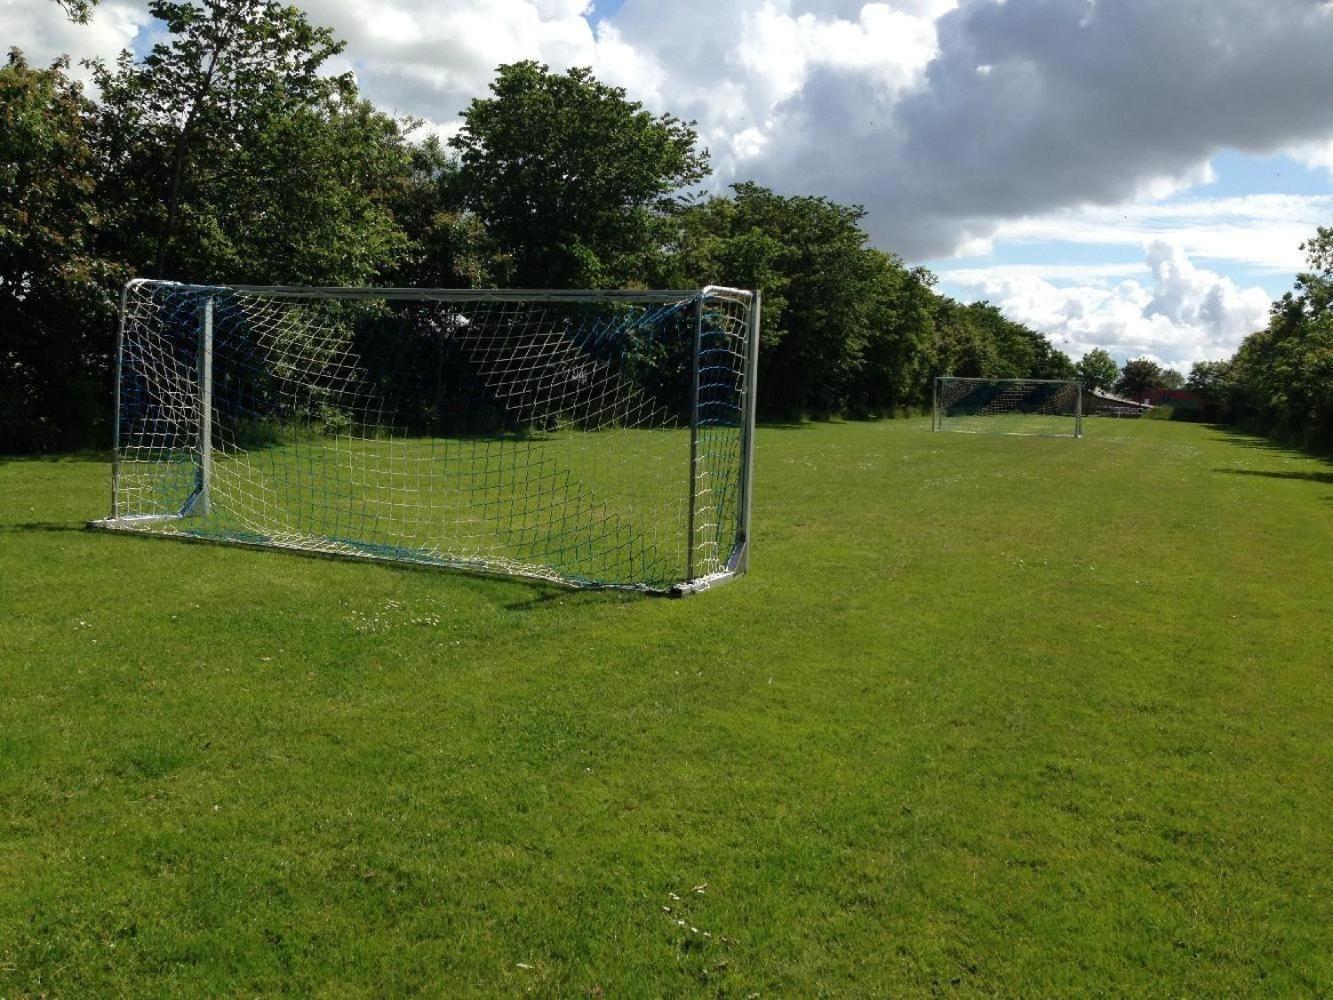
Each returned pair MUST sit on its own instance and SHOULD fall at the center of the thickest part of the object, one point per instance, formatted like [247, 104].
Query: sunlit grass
[990, 715]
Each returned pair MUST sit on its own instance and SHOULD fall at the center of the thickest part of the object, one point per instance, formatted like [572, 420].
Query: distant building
[1177, 399]
[1100, 403]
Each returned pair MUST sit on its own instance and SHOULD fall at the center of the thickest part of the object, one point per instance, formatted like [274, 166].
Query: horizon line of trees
[228, 154]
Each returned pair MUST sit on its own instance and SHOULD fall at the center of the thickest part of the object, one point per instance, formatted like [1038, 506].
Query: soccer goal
[1009, 406]
[594, 438]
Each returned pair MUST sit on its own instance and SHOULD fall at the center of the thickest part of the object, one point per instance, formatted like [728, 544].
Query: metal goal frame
[699, 575]
[950, 390]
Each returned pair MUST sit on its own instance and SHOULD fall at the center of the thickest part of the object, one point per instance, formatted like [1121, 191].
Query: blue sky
[1237, 175]
[1128, 174]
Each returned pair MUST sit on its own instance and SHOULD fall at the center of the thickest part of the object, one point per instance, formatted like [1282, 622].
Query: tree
[1139, 377]
[229, 155]
[961, 347]
[827, 272]
[56, 297]
[1280, 381]
[1171, 379]
[567, 173]
[449, 245]
[1211, 382]
[78, 11]
[1098, 370]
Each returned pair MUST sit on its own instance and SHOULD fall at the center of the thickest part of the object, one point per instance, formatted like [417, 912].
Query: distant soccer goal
[593, 438]
[1009, 406]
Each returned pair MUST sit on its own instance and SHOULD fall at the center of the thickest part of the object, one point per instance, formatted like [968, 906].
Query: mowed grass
[608, 507]
[990, 715]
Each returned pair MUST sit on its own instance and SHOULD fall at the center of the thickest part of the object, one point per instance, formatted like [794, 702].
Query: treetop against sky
[1134, 175]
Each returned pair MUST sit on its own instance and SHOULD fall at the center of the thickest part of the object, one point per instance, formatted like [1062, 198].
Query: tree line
[228, 154]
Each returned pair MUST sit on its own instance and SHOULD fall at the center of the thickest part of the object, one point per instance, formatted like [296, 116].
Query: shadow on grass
[89, 455]
[1246, 439]
[535, 592]
[1308, 477]
[1242, 439]
[24, 527]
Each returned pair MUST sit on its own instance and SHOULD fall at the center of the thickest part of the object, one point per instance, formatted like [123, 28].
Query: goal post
[593, 438]
[1051, 407]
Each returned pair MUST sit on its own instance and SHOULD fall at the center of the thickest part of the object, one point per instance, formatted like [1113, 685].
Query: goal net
[1009, 406]
[593, 438]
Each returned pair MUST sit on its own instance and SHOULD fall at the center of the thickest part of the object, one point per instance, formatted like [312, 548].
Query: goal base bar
[139, 526]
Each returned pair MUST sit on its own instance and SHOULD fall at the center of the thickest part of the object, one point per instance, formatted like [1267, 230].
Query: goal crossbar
[598, 438]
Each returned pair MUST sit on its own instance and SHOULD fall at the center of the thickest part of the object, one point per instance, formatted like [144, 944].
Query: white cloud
[1165, 308]
[41, 29]
[1081, 105]
[1262, 231]
[1317, 155]
[957, 123]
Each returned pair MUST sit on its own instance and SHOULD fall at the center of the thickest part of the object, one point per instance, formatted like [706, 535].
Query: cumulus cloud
[1166, 308]
[1036, 104]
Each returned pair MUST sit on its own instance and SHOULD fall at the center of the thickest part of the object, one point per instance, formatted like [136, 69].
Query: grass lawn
[990, 714]
[608, 507]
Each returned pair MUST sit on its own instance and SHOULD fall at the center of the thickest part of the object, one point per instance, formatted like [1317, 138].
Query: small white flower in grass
[523, 965]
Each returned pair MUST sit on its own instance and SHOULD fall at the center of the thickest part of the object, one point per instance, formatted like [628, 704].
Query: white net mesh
[595, 439]
[1008, 406]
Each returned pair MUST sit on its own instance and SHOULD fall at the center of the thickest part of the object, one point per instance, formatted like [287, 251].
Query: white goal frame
[1022, 406]
[566, 376]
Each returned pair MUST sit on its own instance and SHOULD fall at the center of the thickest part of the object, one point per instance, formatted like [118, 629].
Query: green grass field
[991, 714]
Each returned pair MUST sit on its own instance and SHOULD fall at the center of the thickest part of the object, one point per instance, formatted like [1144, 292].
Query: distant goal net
[1009, 406]
[592, 438]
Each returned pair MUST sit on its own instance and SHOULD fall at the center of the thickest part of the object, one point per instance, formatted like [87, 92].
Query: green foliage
[943, 740]
[1139, 377]
[227, 155]
[1280, 381]
[1171, 379]
[846, 328]
[1012, 349]
[57, 297]
[450, 246]
[1098, 370]
[566, 172]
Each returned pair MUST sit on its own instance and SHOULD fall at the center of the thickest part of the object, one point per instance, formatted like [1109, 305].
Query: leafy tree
[56, 297]
[1280, 381]
[961, 346]
[827, 272]
[1019, 351]
[895, 369]
[1206, 376]
[1139, 377]
[450, 247]
[567, 174]
[1098, 370]
[230, 156]
[1211, 382]
[1171, 379]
